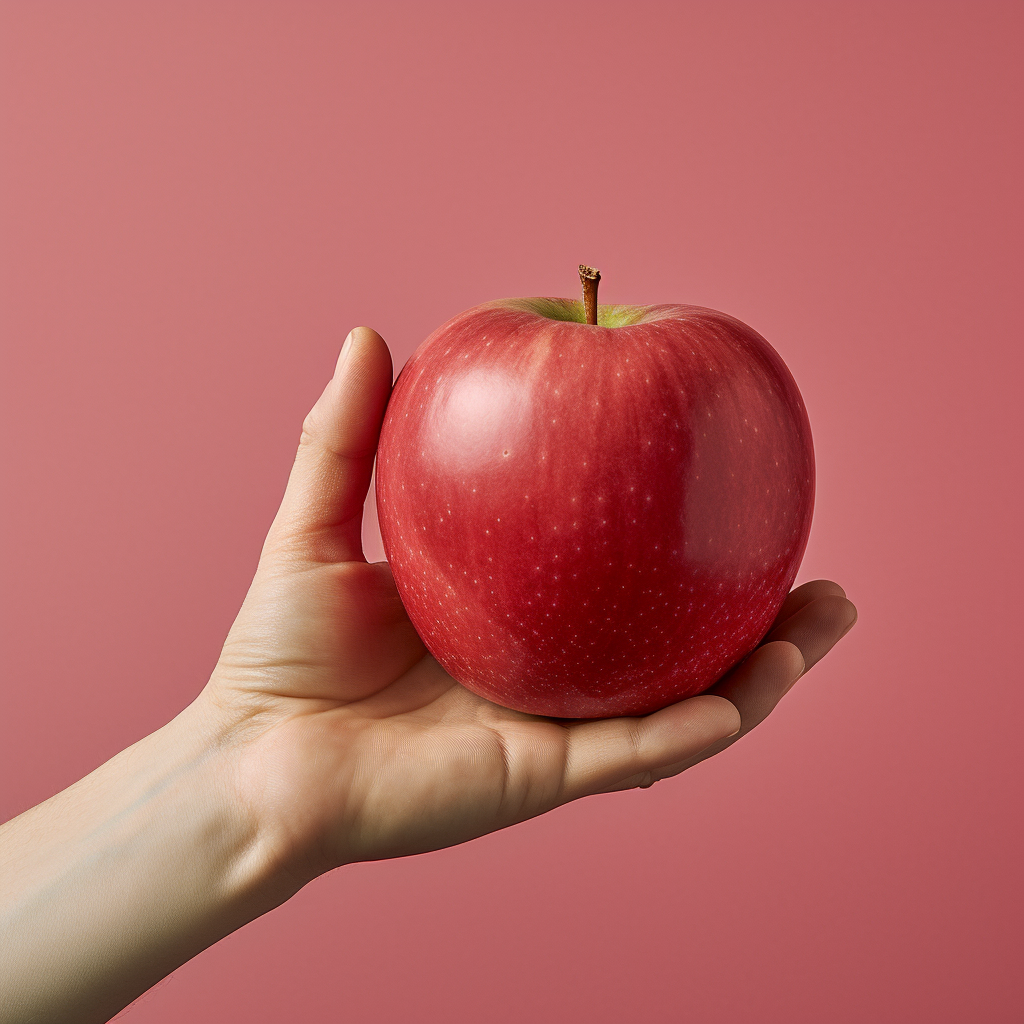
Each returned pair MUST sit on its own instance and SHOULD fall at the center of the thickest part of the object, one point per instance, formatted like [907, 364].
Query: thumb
[321, 516]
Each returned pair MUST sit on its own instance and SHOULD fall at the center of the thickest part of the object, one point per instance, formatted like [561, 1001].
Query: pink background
[198, 201]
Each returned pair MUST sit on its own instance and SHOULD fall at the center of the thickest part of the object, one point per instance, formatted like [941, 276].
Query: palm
[357, 717]
[421, 765]
[366, 748]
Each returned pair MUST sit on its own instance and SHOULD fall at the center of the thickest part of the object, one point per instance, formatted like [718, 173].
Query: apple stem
[590, 278]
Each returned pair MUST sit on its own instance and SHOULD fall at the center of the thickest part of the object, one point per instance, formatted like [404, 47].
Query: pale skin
[326, 735]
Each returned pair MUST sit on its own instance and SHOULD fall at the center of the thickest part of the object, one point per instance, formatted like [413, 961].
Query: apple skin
[586, 521]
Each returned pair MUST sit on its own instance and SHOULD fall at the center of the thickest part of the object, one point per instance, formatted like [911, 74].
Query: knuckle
[635, 738]
[310, 432]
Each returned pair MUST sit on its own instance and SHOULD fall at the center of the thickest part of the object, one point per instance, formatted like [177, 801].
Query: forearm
[112, 884]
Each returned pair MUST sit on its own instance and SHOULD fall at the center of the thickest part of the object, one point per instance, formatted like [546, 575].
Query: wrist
[201, 764]
[271, 763]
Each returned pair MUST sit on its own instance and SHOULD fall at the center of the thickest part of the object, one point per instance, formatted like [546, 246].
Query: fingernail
[346, 349]
[713, 748]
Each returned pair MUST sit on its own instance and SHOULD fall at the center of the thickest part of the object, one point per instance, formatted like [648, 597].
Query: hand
[354, 743]
[326, 734]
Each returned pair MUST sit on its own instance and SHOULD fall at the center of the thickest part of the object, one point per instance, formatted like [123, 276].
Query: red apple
[587, 519]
